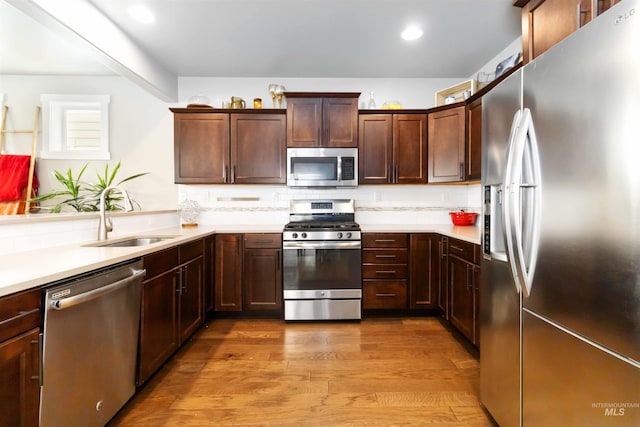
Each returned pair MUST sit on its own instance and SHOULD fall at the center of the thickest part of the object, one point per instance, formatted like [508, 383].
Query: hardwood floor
[379, 372]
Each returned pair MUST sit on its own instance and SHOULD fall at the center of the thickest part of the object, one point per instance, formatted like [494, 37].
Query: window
[75, 127]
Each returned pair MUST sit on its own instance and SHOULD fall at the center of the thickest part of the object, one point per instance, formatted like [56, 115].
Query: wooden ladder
[34, 141]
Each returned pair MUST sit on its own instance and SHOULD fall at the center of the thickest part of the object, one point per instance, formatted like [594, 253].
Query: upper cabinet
[392, 149]
[322, 119]
[474, 141]
[447, 145]
[546, 22]
[226, 148]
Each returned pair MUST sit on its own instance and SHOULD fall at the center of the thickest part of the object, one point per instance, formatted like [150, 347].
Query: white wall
[490, 67]
[140, 133]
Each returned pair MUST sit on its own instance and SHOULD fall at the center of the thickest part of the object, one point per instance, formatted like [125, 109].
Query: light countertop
[26, 270]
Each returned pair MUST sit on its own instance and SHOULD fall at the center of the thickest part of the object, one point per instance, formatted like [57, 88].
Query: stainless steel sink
[132, 241]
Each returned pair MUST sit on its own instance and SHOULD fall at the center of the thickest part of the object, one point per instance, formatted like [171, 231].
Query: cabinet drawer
[462, 249]
[263, 241]
[159, 262]
[384, 271]
[384, 240]
[388, 294]
[19, 313]
[384, 256]
[191, 250]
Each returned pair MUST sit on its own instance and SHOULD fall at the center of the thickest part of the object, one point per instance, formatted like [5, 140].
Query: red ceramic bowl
[463, 218]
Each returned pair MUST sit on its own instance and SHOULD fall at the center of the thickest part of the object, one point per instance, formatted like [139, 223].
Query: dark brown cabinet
[384, 270]
[443, 277]
[463, 287]
[19, 359]
[322, 119]
[424, 270]
[258, 149]
[474, 141]
[172, 303]
[546, 22]
[209, 273]
[263, 272]
[228, 272]
[392, 149]
[447, 145]
[224, 148]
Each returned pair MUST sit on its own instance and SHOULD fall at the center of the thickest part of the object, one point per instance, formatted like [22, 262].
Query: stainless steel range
[322, 261]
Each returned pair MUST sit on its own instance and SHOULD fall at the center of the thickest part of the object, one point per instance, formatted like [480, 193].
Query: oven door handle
[321, 245]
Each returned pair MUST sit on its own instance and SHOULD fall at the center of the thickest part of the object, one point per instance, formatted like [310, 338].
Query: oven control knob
[348, 235]
[339, 235]
[294, 235]
[304, 235]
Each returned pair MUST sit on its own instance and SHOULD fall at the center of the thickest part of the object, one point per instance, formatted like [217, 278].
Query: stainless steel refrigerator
[560, 280]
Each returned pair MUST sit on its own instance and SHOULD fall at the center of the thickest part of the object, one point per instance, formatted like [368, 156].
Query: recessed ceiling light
[411, 33]
[141, 13]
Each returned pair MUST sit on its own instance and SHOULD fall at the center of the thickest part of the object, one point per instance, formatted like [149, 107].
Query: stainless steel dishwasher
[91, 326]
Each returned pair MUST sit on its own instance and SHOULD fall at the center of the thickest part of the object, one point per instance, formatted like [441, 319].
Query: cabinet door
[410, 148]
[462, 296]
[20, 390]
[191, 297]
[443, 277]
[474, 141]
[263, 279]
[340, 122]
[547, 22]
[201, 148]
[209, 273]
[446, 145]
[375, 148]
[228, 272]
[258, 149]
[158, 322]
[304, 122]
[423, 270]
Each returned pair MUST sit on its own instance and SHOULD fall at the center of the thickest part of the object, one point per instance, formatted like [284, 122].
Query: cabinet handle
[233, 174]
[397, 178]
[179, 284]
[384, 240]
[457, 248]
[386, 295]
[469, 277]
[183, 284]
[461, 171]
[385, 272]
[385, 256]
[40, 343]
[390, 179]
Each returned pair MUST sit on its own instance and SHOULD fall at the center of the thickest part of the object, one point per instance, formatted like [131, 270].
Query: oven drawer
[385, 271]
[384, 256]
[384, 240]
[387, 294]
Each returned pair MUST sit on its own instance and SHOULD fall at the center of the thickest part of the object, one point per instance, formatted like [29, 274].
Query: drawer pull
[20, 315]
[385, 240]
[386, 295]
[457, 248]
[262, 242]
[385, 272]
[386, 256]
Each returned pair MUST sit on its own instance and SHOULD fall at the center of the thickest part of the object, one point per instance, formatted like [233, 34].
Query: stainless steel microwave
[322, 167]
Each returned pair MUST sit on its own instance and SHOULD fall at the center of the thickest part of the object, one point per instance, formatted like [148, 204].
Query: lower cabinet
[19, 374]
[248, 272]
[172, 303]
[20, 390]
[384, 271]
[424, 270]
[443, 281]
[463, 285]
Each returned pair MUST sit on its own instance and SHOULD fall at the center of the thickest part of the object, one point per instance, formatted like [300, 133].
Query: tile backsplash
[397, 204]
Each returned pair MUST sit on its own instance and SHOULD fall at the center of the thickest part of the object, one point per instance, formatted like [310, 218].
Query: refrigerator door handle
[525, 208]
[507, 200]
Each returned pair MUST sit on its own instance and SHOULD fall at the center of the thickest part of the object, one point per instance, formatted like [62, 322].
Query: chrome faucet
[105, 224]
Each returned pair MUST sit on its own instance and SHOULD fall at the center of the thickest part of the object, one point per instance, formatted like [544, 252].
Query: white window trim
[53, 125]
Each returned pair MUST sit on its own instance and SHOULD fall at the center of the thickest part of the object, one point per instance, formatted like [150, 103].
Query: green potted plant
[82, 196]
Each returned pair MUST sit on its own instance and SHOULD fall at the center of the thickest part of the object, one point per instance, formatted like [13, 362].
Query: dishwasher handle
[63, 303]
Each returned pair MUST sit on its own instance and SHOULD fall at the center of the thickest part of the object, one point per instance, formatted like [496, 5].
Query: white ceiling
[281, 38]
